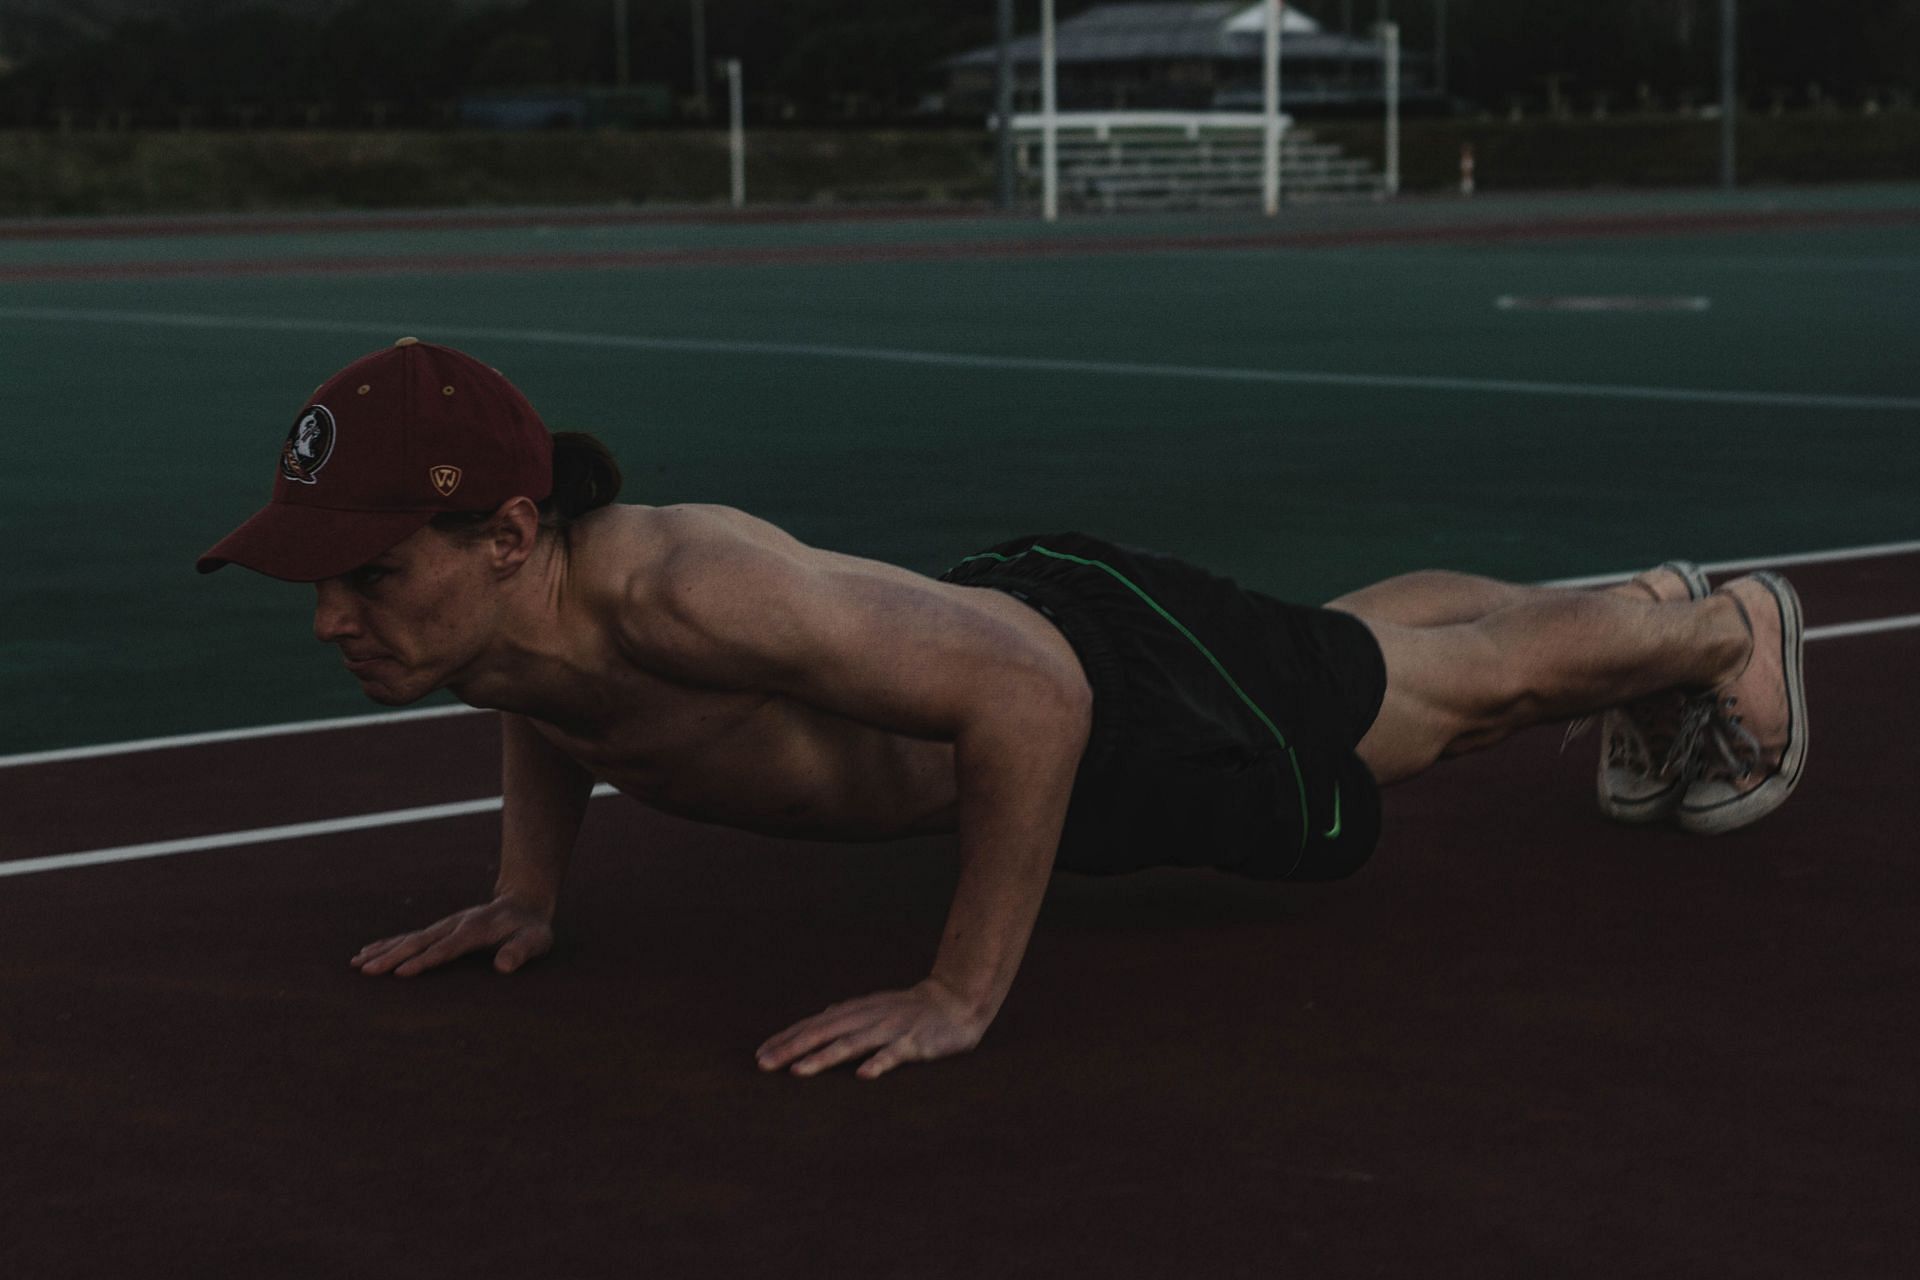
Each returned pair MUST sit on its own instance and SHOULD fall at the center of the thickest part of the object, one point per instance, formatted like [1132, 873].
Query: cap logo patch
[308, 446]
[445, 479]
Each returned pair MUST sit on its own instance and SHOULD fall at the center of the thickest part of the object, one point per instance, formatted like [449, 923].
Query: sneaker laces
[1629, 747]
[1637, 730]
[1720, 746]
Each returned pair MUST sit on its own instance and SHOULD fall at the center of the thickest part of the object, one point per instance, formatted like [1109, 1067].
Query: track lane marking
[462, 808]
[229, 735]
[1871, 626]
[262, 835]
[1872, 551]
[967, 360]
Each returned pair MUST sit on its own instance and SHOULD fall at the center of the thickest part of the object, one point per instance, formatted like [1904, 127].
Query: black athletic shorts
[1224, 721]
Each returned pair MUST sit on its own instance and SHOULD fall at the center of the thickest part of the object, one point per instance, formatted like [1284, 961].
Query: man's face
[409, 621]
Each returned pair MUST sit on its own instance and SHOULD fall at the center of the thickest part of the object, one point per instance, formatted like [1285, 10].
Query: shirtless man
[1054, 701]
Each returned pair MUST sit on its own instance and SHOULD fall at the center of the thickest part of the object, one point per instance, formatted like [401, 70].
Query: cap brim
[306, 544]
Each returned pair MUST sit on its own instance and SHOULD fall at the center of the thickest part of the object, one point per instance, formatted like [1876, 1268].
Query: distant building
[1188, 57]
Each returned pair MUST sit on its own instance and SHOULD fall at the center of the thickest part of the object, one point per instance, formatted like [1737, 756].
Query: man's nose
[334, 618]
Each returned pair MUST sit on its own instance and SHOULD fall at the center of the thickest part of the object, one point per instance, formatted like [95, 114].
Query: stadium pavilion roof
[1222, 30]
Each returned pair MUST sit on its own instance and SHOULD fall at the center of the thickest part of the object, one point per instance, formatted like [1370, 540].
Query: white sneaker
[1641, 777]
[1752, 730]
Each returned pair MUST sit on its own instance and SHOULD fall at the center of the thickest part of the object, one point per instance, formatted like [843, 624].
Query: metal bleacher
[1164, 160]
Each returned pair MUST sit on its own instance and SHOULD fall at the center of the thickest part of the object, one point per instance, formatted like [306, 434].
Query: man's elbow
[1057, 710]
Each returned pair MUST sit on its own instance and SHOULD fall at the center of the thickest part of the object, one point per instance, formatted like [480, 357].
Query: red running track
[1523, 1041]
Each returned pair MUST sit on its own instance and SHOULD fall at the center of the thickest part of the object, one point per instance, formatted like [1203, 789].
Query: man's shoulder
[647, 567]
[642, 551]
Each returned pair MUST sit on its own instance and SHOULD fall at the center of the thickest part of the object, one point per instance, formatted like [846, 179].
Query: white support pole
[1270, 161]
[1049, 119]
[1390, 50]
[737, 133]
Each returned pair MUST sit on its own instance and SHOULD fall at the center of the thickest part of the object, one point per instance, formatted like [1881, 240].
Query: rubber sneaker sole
[1631, 795]
[1712, 806]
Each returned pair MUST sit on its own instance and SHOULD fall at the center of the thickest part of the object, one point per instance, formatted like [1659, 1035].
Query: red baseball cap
[385, 445]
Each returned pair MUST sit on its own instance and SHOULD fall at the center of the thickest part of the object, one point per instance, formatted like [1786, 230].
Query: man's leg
[1533, 654]
[1441, 598]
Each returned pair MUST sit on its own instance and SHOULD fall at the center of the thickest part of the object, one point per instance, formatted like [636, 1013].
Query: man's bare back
[661, 723]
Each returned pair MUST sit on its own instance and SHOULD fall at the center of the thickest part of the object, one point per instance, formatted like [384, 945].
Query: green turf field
[1306, 419]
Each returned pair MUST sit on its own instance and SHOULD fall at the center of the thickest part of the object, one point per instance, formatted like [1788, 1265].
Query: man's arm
[546, 796]
[545, 793]
[890, 649]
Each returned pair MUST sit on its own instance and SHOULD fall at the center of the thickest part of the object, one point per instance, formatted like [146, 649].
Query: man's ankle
[1733, 639]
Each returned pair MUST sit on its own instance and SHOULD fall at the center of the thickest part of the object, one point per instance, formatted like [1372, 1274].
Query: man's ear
[512, 534]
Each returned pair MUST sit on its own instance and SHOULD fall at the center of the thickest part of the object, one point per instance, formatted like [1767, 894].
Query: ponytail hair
[585, 478]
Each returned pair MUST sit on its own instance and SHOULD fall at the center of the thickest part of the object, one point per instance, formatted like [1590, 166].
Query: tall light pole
[1270, 90]
[737, 132]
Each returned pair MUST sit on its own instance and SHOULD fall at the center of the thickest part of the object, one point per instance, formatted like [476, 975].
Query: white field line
[229, 735]
[1872, 626]
[259, 835]
[1869, 552]
[433, 813]
[961, 360]
[398, 717]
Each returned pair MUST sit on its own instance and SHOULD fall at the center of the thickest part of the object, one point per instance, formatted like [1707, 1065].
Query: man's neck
[536, 663]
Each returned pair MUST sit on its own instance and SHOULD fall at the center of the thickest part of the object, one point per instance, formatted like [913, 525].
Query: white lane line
[436, 812]
[1866, 552]
[1601, 302]
[228, 735]
[1872, 626]
[963, 360]
[1869, 552]
[1817, 557]
[259, 835]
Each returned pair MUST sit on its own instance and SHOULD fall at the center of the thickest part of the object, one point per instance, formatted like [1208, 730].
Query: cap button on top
[406, 342]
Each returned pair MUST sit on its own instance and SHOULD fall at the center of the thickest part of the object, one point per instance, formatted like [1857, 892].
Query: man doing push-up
[1056, 701]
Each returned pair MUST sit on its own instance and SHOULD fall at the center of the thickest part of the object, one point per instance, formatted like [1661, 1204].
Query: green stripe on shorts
[1299, 779]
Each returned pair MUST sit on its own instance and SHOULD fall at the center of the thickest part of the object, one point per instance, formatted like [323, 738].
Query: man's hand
[917, 1025]
[522, 930]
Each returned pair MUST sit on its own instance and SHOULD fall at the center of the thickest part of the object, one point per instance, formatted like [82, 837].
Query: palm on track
[520, 931]
[920, 1024]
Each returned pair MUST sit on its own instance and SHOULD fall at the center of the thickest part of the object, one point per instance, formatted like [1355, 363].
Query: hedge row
[46, 173]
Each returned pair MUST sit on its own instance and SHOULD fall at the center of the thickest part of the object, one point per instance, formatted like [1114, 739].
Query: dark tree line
[407, 61]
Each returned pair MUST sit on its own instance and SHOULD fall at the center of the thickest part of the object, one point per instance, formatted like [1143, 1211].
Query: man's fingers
[524, 936]
[882, 1062]
[847, 1046]
[521, 947]
[805, 1037]
[378, 957]
[464, 937]
[377, 950]
[401, 950]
